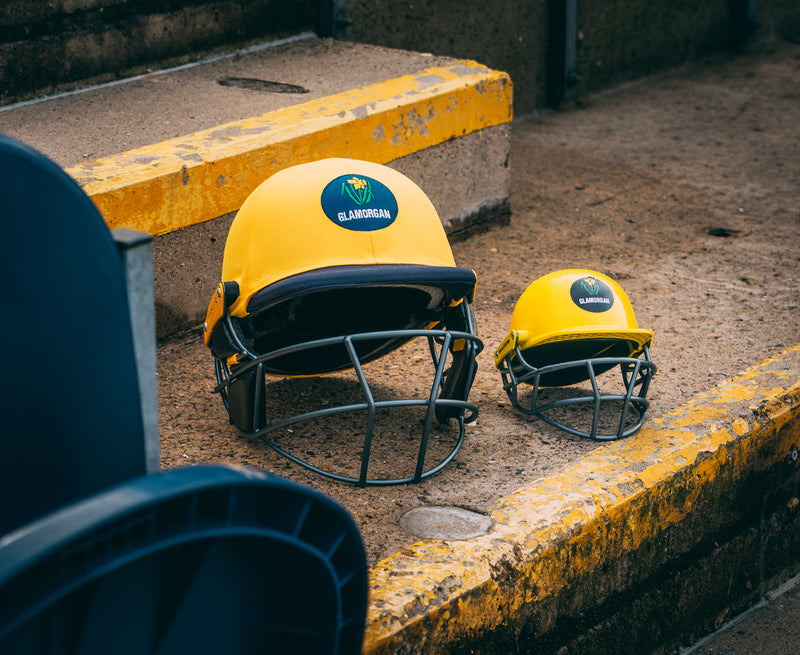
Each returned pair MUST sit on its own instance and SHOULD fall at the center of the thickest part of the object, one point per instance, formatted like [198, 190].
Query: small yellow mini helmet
[568, 327]
[330, 265]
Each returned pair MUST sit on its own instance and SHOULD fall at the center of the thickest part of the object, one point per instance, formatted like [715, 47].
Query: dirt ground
[684, 187]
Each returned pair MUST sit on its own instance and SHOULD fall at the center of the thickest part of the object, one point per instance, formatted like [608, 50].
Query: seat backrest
[207, 559]
[69, 397]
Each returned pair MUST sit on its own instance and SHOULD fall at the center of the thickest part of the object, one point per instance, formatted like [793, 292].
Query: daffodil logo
[589, 285]
[592, 294]
[359, 203]
[359, 189]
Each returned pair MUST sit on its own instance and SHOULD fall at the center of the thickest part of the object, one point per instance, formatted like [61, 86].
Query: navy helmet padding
[572, 350]
[344, 300]
[454, 281]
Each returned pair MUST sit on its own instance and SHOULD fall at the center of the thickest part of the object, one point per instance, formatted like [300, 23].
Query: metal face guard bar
[636, 376]
[440, 343]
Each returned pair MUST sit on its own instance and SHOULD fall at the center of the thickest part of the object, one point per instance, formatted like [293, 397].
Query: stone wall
[48, 46]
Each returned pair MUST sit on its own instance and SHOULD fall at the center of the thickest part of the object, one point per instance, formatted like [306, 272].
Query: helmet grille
[575, 350]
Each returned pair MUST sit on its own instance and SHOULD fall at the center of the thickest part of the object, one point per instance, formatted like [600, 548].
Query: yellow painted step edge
[176, 183]
[559, 528]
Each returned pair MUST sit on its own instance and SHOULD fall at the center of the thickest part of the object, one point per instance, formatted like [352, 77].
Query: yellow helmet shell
[328, 213]
[580, 307]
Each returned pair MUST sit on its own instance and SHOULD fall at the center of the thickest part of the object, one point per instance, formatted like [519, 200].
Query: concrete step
[571, 562]
[174, 153]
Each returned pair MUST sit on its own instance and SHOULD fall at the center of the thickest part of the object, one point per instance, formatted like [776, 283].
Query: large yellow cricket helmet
[568, 327]
[328, 266]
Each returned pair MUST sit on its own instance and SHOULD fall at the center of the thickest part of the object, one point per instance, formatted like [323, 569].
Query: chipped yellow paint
[740, 426]
[692, 415]
[198, 177]
[557, 530]
[734, 394]
[745, 387]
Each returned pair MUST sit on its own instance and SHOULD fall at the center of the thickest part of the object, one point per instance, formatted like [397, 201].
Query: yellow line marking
[560, 528]
[198, 177]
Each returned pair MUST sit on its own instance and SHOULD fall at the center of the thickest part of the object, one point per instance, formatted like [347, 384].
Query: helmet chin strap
[459, 378]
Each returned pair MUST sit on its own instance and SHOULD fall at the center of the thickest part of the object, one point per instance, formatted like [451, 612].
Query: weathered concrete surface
[49, 46]
[771, 626]
[654, 530]
[46, 46]
[616, 41]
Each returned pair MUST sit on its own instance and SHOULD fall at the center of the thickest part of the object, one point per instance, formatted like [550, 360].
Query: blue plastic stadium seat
[69, 389]
[195, 560]
[95, 555]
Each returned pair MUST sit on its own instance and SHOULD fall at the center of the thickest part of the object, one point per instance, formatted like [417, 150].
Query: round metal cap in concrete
[449, 523]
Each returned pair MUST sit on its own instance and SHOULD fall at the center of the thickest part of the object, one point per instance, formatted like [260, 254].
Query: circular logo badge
[358, 202]
[591, 294]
